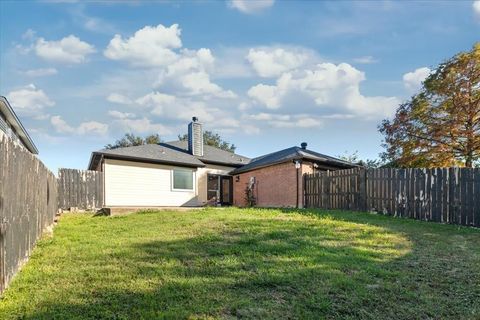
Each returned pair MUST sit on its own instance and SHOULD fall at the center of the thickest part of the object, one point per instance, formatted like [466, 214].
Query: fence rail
[448, 195]
[28, 205]
[81, 189]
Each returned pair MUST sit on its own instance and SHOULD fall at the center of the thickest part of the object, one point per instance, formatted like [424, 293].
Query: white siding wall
[136, 184]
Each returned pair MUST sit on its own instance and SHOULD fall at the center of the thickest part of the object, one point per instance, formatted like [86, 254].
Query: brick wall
[275, 186]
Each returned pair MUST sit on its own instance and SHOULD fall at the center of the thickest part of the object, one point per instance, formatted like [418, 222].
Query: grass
[250, 263]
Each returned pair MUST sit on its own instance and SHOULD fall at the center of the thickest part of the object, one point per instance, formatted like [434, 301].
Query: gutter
[13, 120]
[147, 160]
[226, 164]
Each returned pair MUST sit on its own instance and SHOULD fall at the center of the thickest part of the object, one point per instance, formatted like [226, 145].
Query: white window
[182, 179]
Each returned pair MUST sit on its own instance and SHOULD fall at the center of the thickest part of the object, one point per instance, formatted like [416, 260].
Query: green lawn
[250, 263]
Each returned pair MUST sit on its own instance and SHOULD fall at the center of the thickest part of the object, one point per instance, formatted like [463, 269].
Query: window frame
[172, 176]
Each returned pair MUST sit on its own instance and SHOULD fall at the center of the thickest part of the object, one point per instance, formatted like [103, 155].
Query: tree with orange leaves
[439, 126]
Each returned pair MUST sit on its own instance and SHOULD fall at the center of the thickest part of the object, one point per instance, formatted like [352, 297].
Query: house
[178, 173]
[189, 173]
[11, 126]
[275, 179]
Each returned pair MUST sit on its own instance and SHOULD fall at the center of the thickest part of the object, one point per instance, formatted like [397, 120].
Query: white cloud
[265, 94]
[90, 23]
[121, 115]
[29, 34]
[42, 72]
[476, 8]
[272, 62]
[286, 120]
[263, 116]
[118, 98]
[198, 83]
[340, 116]
[143, 125]
[189, 75]
[156, 99]
[177, 108]
[230, 63]
[61, 125]
[90, 127]
[365, 60]
[149, 46]
[303, 122]
[184, 72]
[29, 100]
[413, 80]
[180, 109]
[250, 6]
[326, 85]
[67, 50]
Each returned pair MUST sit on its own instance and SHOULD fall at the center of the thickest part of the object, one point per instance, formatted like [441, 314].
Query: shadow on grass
[343, 266]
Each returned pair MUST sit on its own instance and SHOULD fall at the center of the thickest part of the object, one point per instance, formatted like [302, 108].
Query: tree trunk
[469, 162]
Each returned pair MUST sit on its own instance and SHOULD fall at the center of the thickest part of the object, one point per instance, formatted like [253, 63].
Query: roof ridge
[208, 146]
[141, 145]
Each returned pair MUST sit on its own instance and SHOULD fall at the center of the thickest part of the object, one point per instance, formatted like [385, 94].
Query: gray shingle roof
[175, 152]
[211, 154]
[147, 153]
[290, 154]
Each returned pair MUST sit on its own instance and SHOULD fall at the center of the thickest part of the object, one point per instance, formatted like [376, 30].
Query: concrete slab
[118, 211]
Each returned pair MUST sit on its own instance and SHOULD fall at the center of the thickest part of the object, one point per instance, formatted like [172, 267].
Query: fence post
[304, 194]
[362, 188]
[3, 228]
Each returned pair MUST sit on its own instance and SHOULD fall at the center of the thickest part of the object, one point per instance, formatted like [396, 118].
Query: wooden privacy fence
[28, 205]
[448, 195]
[81, 189]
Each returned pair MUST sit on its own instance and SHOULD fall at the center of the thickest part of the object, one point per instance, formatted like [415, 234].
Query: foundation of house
[119, 211]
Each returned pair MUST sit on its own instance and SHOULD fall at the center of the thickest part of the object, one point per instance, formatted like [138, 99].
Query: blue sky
[265, 74]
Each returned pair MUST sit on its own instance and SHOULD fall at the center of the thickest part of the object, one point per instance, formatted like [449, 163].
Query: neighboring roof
[7, 111]
[290, 154]
[174, 152]
[211, 154]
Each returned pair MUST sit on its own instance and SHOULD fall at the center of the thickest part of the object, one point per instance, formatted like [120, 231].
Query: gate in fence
[448, 195]
[82, 189]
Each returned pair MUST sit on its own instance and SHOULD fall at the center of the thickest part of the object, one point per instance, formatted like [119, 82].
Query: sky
[266, 75]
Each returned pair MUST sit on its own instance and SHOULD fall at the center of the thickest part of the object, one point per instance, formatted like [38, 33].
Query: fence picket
[448, 195]
[28, 204]
[82, 189]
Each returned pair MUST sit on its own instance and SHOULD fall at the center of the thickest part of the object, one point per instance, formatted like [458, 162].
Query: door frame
[230, 190]
[220, 190]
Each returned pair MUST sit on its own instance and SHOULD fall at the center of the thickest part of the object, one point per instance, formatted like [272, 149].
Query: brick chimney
[195, 138]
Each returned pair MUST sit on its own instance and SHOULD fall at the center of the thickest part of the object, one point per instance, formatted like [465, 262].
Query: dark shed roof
[290, 154]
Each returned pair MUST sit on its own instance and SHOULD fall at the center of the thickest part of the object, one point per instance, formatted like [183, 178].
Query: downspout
[102, 165]
[297, 187]
[297, 167]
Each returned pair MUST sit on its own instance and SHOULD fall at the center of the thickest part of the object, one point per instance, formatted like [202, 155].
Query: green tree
[130, 140]
[212, 139]
[355, 158]
[439, 126]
